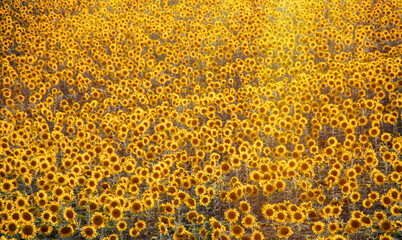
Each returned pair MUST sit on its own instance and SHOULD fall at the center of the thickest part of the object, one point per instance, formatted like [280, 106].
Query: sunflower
[354, 196]
[203, 232]
[386, 200]
[134, 232]
[20, 202]
[28, 231]
[280, 185]
[191, 203]
[395, 210]
[244, 207]
[255, 176]
[386, 237]
[284, 232]
[136, 206]
[116, 213]
[27, 217]
[338, 237]
[318, 227]
[7, 186]
[12, 228]
[367, 203]
[69, 214]
[205, 200]
[66, 231]
[268, 188]
[257, 235]
[54, 208]
[121, 226]
[281, 216]
[374, 196]
[216, 225]
[225, 167]
[192, 216]
[298, 216]
[88, 232]
[386, 225]
[140, 225]
[200, 190]
[268, 211]
[232, 196]
[45, 229]
[366, 221]
[248, 221]
[169, 209]
[98, 220]
[113, 237]
[379, 178]
[374, 132]
[231, 215]
[236, 231]
[333, 227]
[46, 215]
[354, 224]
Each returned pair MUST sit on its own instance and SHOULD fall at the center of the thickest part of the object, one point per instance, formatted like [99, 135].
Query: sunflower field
[211, 119]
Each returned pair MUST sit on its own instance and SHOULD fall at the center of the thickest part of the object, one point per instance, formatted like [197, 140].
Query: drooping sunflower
[386, 225]
[162, 229]
[192, 216]
[66, 231]
[134, 232]
[203, 233]
[45, 229]
[366, 221]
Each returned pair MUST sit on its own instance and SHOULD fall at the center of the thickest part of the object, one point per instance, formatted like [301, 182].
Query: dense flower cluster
[179, 119]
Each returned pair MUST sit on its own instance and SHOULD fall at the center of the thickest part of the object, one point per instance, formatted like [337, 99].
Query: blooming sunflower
[284, 232]
[236, 231]
[98, 220]
[28, 231]
[116, 213]
[248, 221]
[121, 226]
[231, 215]
[88, 232]
[318, 227]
